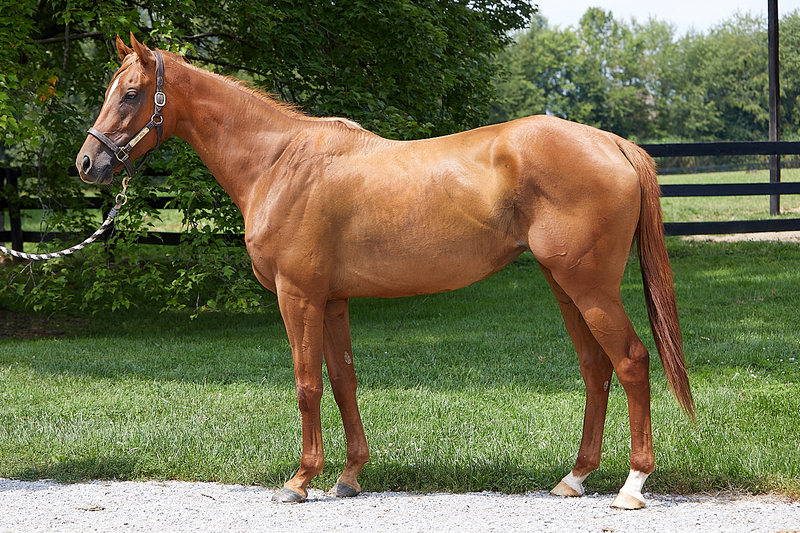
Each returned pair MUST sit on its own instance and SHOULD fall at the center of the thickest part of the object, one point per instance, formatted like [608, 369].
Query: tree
[644, 83]
[724, 96]
[790, 75]
[404, 68]
[602, 74]
[535, 77]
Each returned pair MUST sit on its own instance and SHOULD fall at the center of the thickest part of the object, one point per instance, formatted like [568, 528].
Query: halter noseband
[160, 100]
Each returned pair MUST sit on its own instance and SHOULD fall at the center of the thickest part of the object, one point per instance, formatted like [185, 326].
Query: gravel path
[168, 507]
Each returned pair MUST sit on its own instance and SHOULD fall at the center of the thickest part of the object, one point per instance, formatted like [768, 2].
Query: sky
[685, 14]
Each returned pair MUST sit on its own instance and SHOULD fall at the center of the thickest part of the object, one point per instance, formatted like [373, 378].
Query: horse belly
[425, 267]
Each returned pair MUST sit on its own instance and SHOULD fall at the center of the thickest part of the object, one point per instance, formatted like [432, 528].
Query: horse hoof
[343, 490]
[628, 502]
[562, 489]
[287, 495]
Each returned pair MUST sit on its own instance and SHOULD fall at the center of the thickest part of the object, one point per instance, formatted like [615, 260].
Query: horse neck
[237, 134]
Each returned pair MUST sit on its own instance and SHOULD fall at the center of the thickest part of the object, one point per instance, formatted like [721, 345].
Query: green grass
[477, 389]
[723, 208]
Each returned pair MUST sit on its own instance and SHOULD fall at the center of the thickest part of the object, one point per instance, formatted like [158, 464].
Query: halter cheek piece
[123, 153]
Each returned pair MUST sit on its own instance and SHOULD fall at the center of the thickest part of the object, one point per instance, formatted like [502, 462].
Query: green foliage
[790, 74]
[644, 82]
[404, 68]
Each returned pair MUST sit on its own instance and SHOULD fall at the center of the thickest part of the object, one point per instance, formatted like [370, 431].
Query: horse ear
[145, 54]
[122, 48]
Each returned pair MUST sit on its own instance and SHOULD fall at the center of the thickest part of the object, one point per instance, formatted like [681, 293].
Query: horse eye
[131, 95]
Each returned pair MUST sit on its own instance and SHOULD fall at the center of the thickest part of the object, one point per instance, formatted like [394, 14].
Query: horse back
[392, 218]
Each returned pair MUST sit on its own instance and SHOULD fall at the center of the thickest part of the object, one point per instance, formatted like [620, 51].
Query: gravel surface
[166, 507]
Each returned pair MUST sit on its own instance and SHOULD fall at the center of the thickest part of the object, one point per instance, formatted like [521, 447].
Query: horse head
[131, 111]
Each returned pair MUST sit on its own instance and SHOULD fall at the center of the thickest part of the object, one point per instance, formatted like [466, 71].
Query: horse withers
[333, 212]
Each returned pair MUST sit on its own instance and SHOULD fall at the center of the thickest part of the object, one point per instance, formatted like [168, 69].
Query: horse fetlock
[630, 495]
[571, 486]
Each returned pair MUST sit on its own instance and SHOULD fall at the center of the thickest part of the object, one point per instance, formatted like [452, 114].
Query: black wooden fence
[728, 189]
[16, 236]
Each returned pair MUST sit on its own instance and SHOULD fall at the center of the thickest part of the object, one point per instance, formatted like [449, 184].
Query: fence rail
[723, 148]
[16, 236]
[778, 148]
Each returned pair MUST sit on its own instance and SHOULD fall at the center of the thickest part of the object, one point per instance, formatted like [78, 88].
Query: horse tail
[659, 291]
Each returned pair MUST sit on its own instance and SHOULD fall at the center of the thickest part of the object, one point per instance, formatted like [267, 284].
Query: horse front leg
[304, 318]
[338, 352]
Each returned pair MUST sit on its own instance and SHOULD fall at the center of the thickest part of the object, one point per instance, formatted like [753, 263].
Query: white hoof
[571, 486]
[630, 495]
[628, 502]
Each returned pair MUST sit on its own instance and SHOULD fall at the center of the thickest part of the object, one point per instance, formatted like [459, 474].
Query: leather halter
[160, 100]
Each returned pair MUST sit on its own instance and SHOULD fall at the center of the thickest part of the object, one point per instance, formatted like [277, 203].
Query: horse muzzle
[96, 168]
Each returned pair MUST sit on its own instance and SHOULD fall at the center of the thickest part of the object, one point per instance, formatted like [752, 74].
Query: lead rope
[121, 199]
[122, 154]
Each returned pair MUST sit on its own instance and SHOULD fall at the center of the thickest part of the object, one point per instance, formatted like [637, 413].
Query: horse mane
[271, 100]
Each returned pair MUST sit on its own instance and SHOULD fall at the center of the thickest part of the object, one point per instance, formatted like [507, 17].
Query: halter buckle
[160, 99]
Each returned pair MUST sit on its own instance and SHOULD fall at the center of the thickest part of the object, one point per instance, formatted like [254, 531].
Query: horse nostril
[87, 164]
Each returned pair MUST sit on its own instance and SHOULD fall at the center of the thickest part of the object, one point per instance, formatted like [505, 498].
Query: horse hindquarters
[582, 238]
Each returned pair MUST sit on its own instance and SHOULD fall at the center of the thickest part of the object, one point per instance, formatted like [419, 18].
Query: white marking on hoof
[630, 495]
[571, 486]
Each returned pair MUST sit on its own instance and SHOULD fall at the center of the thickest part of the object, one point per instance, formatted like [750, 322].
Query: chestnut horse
[333, 212]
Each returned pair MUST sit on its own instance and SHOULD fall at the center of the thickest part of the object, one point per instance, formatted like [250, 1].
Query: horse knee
[309, 395]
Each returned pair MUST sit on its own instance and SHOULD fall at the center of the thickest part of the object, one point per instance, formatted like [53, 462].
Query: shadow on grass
[449, 477]
[77, 470]
[505, 328]
[735, 302]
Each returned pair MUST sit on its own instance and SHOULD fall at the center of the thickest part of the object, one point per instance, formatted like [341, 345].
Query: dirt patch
[20, 325]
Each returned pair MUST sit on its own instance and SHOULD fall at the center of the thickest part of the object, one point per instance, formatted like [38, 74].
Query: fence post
[10, 176]
[2, 209]
[774, 103]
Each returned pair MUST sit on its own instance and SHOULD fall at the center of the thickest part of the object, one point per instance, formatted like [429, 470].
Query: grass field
[477, 389]
[722, 208]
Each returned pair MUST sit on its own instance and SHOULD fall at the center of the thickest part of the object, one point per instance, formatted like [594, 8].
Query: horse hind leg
[596, 370]
[595, 294]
